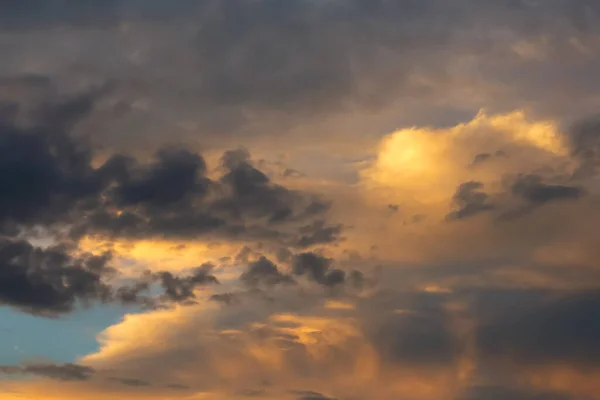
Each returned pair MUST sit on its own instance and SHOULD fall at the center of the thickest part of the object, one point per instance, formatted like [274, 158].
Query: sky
[299, 199]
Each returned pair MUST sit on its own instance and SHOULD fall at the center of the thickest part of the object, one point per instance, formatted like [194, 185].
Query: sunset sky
[300, 199]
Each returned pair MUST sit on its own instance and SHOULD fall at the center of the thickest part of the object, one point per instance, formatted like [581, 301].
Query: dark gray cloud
[470, 200]
[29, 14]
[49, 281]
[317, 268]
[53, 281]
[410, 328]
[177, 386]
[484, 157]
[252, 393]
[533, 193]
[319, 232]
[303, 56]
[132, 294]
[173, 197]
[70, 373]
[504, 393]
[131, 382]
[265, 272]
[584, 141]
[174, 176]
[64, 372]
[47, 178]
[562, 330]
[309, 395]
[181, 289]
[416, 339]
[226, 298]
[480, 158]
[532, 189]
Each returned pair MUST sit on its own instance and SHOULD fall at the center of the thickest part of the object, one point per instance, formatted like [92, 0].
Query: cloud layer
[304, 200]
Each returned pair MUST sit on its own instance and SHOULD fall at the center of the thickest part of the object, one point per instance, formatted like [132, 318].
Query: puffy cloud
[182, 289]
[174, 198]
[49, 281]
[429, 174]
[317, 268]
[425, 165]
[340, 352]
[266, 272]
[52, 281]
[48, 179]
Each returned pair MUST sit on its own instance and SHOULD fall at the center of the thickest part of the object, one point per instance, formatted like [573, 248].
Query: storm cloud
[49, 281]
[47, 178]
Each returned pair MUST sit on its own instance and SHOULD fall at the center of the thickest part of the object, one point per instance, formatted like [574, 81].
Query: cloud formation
[66, 372]
[300, 200]
[49, 281]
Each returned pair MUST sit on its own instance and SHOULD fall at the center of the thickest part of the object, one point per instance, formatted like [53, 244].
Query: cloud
[225, 298]
[416, 339]
[317, 268]
[26, 15]
[356, 57]
[318, 233]
[179, 289]
[559, 331]
[499, 393]
[263, 271]
[535, 193]
[584, 142]
[470, 200]
[131, 382]
[49, 281]
[52, 281]
[308, 395]
[64, 372]
[45, 175]
[243, 204]
[141, 165]
[483, 157]
[49, 180]
[411, 328]
[532, 189]
[132, 294]
[172, 178]
[422, 169]
[423, 166]
[288, 349]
